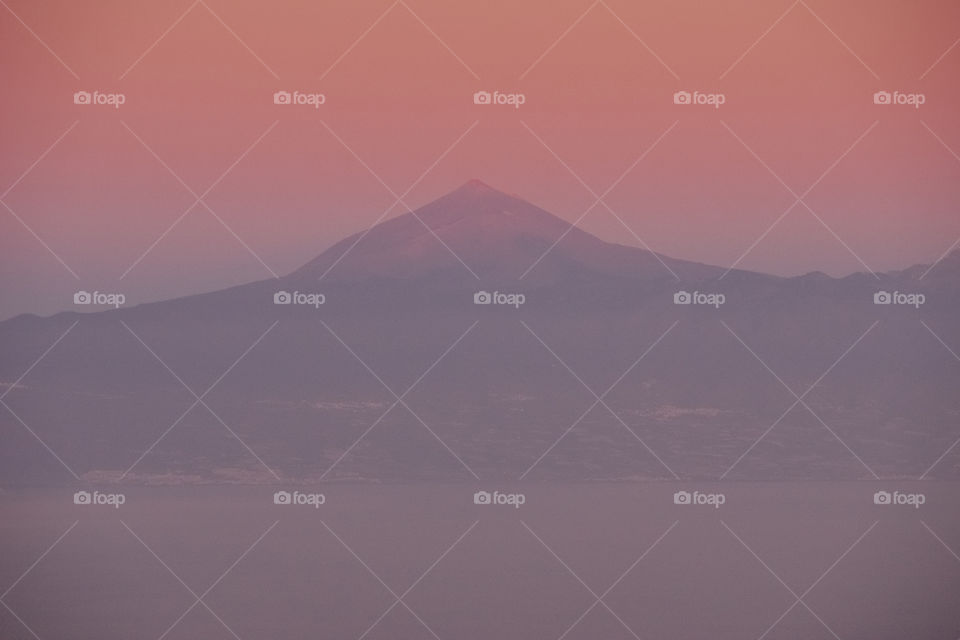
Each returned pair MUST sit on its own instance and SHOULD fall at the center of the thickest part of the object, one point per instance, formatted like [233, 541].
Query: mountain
[496, 235]
[399, 375]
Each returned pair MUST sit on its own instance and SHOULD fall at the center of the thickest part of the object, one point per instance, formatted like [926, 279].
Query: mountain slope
[498, 236]
[311, 392]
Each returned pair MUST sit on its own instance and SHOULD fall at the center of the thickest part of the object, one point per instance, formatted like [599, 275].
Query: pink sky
[599, 98]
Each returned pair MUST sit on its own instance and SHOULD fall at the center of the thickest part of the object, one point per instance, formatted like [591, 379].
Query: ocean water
[552, 561]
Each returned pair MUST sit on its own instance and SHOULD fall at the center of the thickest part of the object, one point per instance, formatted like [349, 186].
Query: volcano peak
[474, 190]
[475, 184]
[496, 234]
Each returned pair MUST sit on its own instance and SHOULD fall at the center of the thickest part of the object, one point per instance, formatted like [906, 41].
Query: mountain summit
[497, 236]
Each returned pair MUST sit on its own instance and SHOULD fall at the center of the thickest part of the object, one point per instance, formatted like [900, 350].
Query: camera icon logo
[82, 297]
[282, 297]
[682, 497]
[882, 297]
[282, 97]
[482, 297]
[882, 497]
[682, 97]
[482, 97]
[882, 97]
[81, 497]
[82, 97]
[482, 497]
[682, 297]
[282, 497]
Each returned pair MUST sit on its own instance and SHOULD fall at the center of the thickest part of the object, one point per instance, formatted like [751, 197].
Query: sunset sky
[598, 80]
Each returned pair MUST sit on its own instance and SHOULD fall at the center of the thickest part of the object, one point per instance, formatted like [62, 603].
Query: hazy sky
[198, 83]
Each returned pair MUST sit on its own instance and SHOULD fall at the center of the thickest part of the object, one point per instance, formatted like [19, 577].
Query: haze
[400, 98]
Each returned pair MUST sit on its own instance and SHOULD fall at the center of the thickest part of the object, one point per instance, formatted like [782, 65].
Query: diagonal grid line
[37, 361]
[599, 399]
[839, 39]
[239, 39]
[179, 19]
[616, 17]
[599, 199]
[363, 235]
[39, 439]
[38, 560]
[398, 200]
[24, 574]
[20, 620]
[399, 599]
[940, 259]
[799, 399]
[940, 340]
[199, 400]
[416, 17]
[603, 195]
[957, 441]
[41, 41]
[199, 199]
[39, 158]
[21, 421]
[616, 582]
[799, 599]
[799, 199]
[757, 41]
[162, 36]
[198, 599]
[598, 599]
[937, 61]
[561, 37]
[399, 399]
[950, 150]
[780, 19]
[40, 240]
[23, 175]
[639, 39]
[357, 41]
[434, 34]
[940, 540]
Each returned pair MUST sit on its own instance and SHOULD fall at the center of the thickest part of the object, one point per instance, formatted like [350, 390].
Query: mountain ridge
[505, 240]
[497, 235]
[300, 383]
